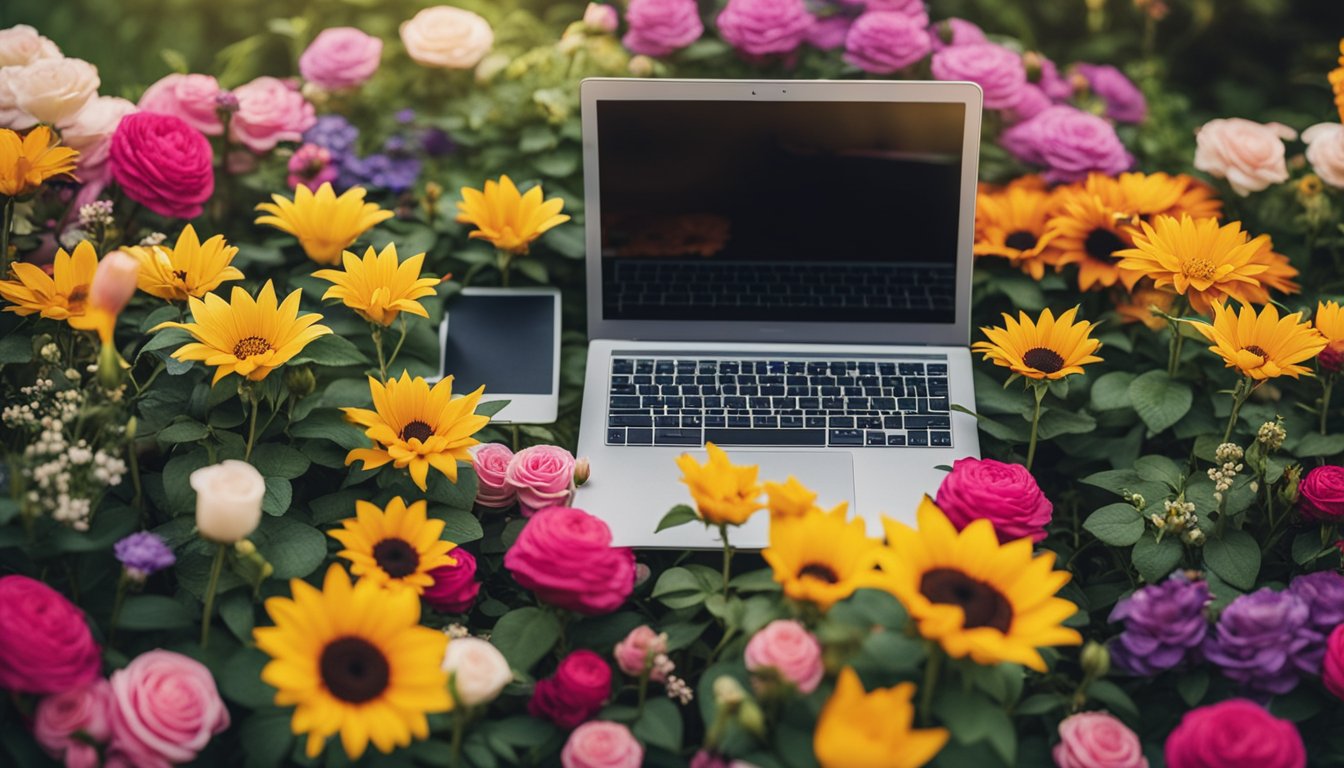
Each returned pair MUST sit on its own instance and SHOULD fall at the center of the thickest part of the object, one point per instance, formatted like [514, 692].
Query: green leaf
[144, 612]
[681, 634]
[294, 548]
[1307, 547]
[1023, 292]
[168, 337]
[1040, 704]
[536, 138]
[330, 424]
[1114, 697]
[660, 725]
[1111, 391]
[279, 495]
[459, 525]
[275, 460]
[177, 484]
[334, 507]
[331, 350]
[1160, 469]
[1160, 400]
[1119, 525]
[1235, 557]
[490, 408]
[681, 588]
[1315, 444]
[972, 717]
[1155, 559]
[266, 738]
[1123, 481]
[755, 581]
[240, 679]
[15, 348]
[1192, 685]
[678, 515]
[525, 635]
[1060, 421]
[236, 610]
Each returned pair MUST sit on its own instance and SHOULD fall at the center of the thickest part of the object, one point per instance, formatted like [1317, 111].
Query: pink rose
[997, 70]
[1248, 154]
[340, 57]
[163, 163]
[542, 476]
[1045, 73]
[311, 166]
[194, 98]
[601, 18]
[269, 112]
[447, 37]
[954, 31]
[45, 644]
[908, 7]
[829, 33]
[1332, 672]
[1321, 493]
[786, 647]
[761, 27]
[660, 27]
[1325, 152]
[1097, 740]
[491, 462]
[576, 692]
[1031, 103]
[602, 745]
[21, 44]
[1236, 733]
[1005, 494]
[91, 131]
[882, 42]
[455, 586]
[63, 718]
[565, 556]
[1068, 142]
[166, 709]
[639, 652]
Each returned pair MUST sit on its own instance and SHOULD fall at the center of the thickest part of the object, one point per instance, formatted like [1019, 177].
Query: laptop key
[621, 365]
[623, 401]
[738, 421]
[912, 369]
[875, 438]
[765, 436]
[895, 439]
[869, 422]
[891, 422]
[676, 437]
[764, 422]
[814, 422]
[665, 366]
[846, 437]
[629, 421]
[716, 421]
[615, 437]
[624, 389]
[639, 436]
[937, 369]
[940, 439]
[926, 422]
[841, 422]
[791, 422]
[667, 421]
[938, 404]
[644, 366]
[832, 404]
[907, 404]
[918, 438]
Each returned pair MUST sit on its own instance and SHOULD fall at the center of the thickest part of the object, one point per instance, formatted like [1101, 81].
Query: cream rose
[53, 90]
[21, 44]
[1325, 151]
[447, 37]
[228, 500]
[477, 669]
[1248, 154]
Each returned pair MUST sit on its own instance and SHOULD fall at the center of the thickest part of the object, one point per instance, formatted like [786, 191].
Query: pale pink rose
[21, 44]
[52, 90]
[114, 282]
[1325, 151]
[602, 744]
[194, 98]
[447, 37]
[600, 17]
[340, 58]
[10, 114]
[491, 462]
[166, 708]
[786, 647]
[1248, 154]
[85, 710]
[1097, 740]
[269, 112]
[640, 650]
[91, 131]
[543, 476]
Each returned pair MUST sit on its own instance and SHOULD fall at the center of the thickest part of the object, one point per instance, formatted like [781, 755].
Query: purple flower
[405, 116]
[1163, 622]
[1259, 639]
[1043, 72]
[1323, 592]
[659, 27]
[997, 70]
[953, 31]
[829, 33]
[882, 42]
[436, 142]
[1068, 142]
[1032, 103]
[395, 173]
[915, 8]
[762, 27]
[335, 133]
[226, 101]
[1124, 101]
[143, 554]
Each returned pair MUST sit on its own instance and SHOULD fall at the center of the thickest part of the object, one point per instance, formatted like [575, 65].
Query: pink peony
[311, 166]
[1069, 142]
[455, 586]
[1032, 103]
[491, 462]
[65, 720]
[1325, 152]
[761, 27]
[542, 476]
[786, 647]
[340, 57]
[565, 556]
[953, 31]
[577, 690]
[163, 163]
[91, 131]
[1248, 154]
[882, 42]
[1097, 740]
[660, 27]
[639, 651]
[1044, 73]
[997, 70]
[829, 33]
[602, 745]
[45, 644]
[1005, 494]
[1236, 733]
[915, 8]
[269, 112]
[190, 97]
[1321, 494]
[166, 709]
[1332, 672]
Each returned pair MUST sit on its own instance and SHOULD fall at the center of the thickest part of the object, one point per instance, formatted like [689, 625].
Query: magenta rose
[1332, 671]
[165, 709]
[455, 586]
[65, 722]
[1044, 73]
[162, 163]
[1237, 733]
[340, 57]
[575, 692]
[829, 33]
[915, 8]
[491, 462]
[194, 98]
[602, 745]
[882, 42]
[565, 556]
[312, 167]
[542, 476]
[997, 70]
[954, 31]
[659, 27]
[761, 27]
[639, 652]
[45, 644]
[1068, 142]
[1321, 494]
[1004, 494]
[793, 654]
[1097, 740]
[269, 112]
[1124, 101]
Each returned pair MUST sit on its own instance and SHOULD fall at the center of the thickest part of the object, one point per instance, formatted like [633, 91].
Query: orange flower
[1011, 225]
[1091, 227]
[1196, 258]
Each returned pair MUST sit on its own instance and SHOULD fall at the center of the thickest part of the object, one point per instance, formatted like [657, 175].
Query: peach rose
[1248, 154]
[1325, 151]
[52, 90]
[91, 131]
[447, 37]
[21, 44]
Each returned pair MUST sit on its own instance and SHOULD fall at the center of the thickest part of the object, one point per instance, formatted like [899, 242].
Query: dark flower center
[354, 670]
[252, 345]
[75, 301]
[180, 274]
[1022, 240]
[820, 572]
[983, 605]
[1043, 360]
[417, 429]
[1101, 244]
[396, 557]
[1256, 349]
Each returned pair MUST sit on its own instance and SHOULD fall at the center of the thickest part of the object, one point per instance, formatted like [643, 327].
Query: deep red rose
[575, 693]
[1321, 493]
[163, 163]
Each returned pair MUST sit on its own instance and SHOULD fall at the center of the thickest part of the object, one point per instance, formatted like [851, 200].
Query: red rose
[565, 556]
[455, 586]
[45, 644]
[163, 163]
[575, 693]
[1321, 493]
[1237, 733]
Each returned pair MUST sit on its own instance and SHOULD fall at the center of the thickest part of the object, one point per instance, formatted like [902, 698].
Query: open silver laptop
[782, 268]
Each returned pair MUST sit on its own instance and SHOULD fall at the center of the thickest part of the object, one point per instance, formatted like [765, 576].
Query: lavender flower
[335, 134]
[392, 172]
[143, 554]
[1068, 142]
[1124, 101]
[1323, 592]
[1259, 640]
[1163, 622]
[436, 142]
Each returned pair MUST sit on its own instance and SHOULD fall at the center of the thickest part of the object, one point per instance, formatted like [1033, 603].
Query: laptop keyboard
[689, 401]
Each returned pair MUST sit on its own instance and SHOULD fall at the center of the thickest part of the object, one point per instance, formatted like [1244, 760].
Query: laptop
[781, 268]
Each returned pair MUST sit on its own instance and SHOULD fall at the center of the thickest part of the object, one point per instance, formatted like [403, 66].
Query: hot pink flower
[455, 586]
[340, 57]
[491, 462]
[1237, 733]
[190, 97]
[542, 476]
[163, 163]
[762, 27]
[786, 647]
[576, 692]
[1321, 493]
[602, 745]
[311, 166]
[997, 70]
[882, 42]
[45, 644]
[269, 112]
[565, 556]
[1005, 494]
[1332, 672]
[639, 651]
[1248, 154]
[660, 27]
[1097, 740]
[62, 718]
[166, 709]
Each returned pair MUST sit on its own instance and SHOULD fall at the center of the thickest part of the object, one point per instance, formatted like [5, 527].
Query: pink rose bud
[543, 476]
[166, 709]
[455, 586]
[786, 647]
[64, 721]
[1246, 153]
[114, 282]
[1097, 740]
[492, 462]
[1005, 494]
[582, 471]
[600, 17]
[601, 744]
[639, 652]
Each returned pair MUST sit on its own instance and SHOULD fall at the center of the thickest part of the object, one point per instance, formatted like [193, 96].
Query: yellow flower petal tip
[190, 268]
[28, 161]
[1264, 345]
[873, 729]
[506, 218]
[379, 287]
[724, 493]
[324, 223]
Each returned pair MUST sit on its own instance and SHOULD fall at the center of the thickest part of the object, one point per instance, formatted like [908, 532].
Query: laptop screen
[779, 211]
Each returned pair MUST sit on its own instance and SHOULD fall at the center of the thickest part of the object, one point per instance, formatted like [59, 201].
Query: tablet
[507, 339]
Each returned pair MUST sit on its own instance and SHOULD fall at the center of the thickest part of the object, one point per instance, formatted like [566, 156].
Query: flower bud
[1292, 479]
[1331, 359]
[728, 693]
[228, 500]
[582, 470]
[244, 548]
[1096, 660]
[600, 18]
[750, 717]
[226, 102]
[300, 380]
[641, 66]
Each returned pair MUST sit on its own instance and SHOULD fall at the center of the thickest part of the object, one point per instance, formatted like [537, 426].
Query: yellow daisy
[417, 427]
[379, 288]
[1336, 78]
[1196, 258]
[1263, 346]
[62, 295]
[858, 729]
[395, 547]
[1048, 348]
[789, 499]
[1278, 275]
[1089, 229]
[724, 493]
[354, 661]
[506, 219]
[189, 268]
[1012, 224]
[324, 224]
[1199, 201]
[820, 557]
[972, 595]
[1329, 322]
[26, 162]
[247, 336]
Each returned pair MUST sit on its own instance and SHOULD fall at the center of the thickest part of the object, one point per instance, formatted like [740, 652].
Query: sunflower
[858, 729]
[974, 596]
[1262, 346]
[724, 493]
[395, 547]
[820, 557]
[189, 268]
[62, 295]
[378, 287]
[354, 661]
[28, 161]
[417, 427]
[1088, 229]
[324, 224]
[790, 498]
[1197, 258]
[506, 219]
[1011, 224]
[1048, 348]
[1199, 201]
[1138, 304]
[1329, 322]
[246, 336]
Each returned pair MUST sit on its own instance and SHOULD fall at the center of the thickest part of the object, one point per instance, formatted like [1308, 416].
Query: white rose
[90, 131]
[447, 37]
[1325, 151]
[21, 44]
[53, 90]
[228, 500]
[477, 669]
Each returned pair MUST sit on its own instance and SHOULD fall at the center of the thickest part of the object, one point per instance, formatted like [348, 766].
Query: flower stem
[504, 260]
[459, 730]
[377, 334]
[402, 340]
[932, 668]
[210, 588]
[727, 558]
[1177, 338]
[1327, 384]
[252, 429]
[1035, 422]
[5, 225]
[643, 692]
[1238, 397]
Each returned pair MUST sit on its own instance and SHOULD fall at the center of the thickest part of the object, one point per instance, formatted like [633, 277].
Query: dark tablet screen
[504, 342]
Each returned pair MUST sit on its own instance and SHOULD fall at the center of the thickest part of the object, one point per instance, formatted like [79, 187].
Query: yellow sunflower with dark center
[506, 218]
[189, 268]
[354, 661]
[26, 162]
[972, 595]
[1262, 346]
[819, 557]
[416, 427]
[324, 223]
[395, 547]
[378, 287]
[247, 336]
[62, 295]
[1089, 230]
[1046, 348]
[1012, 225]
[1196, 258]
